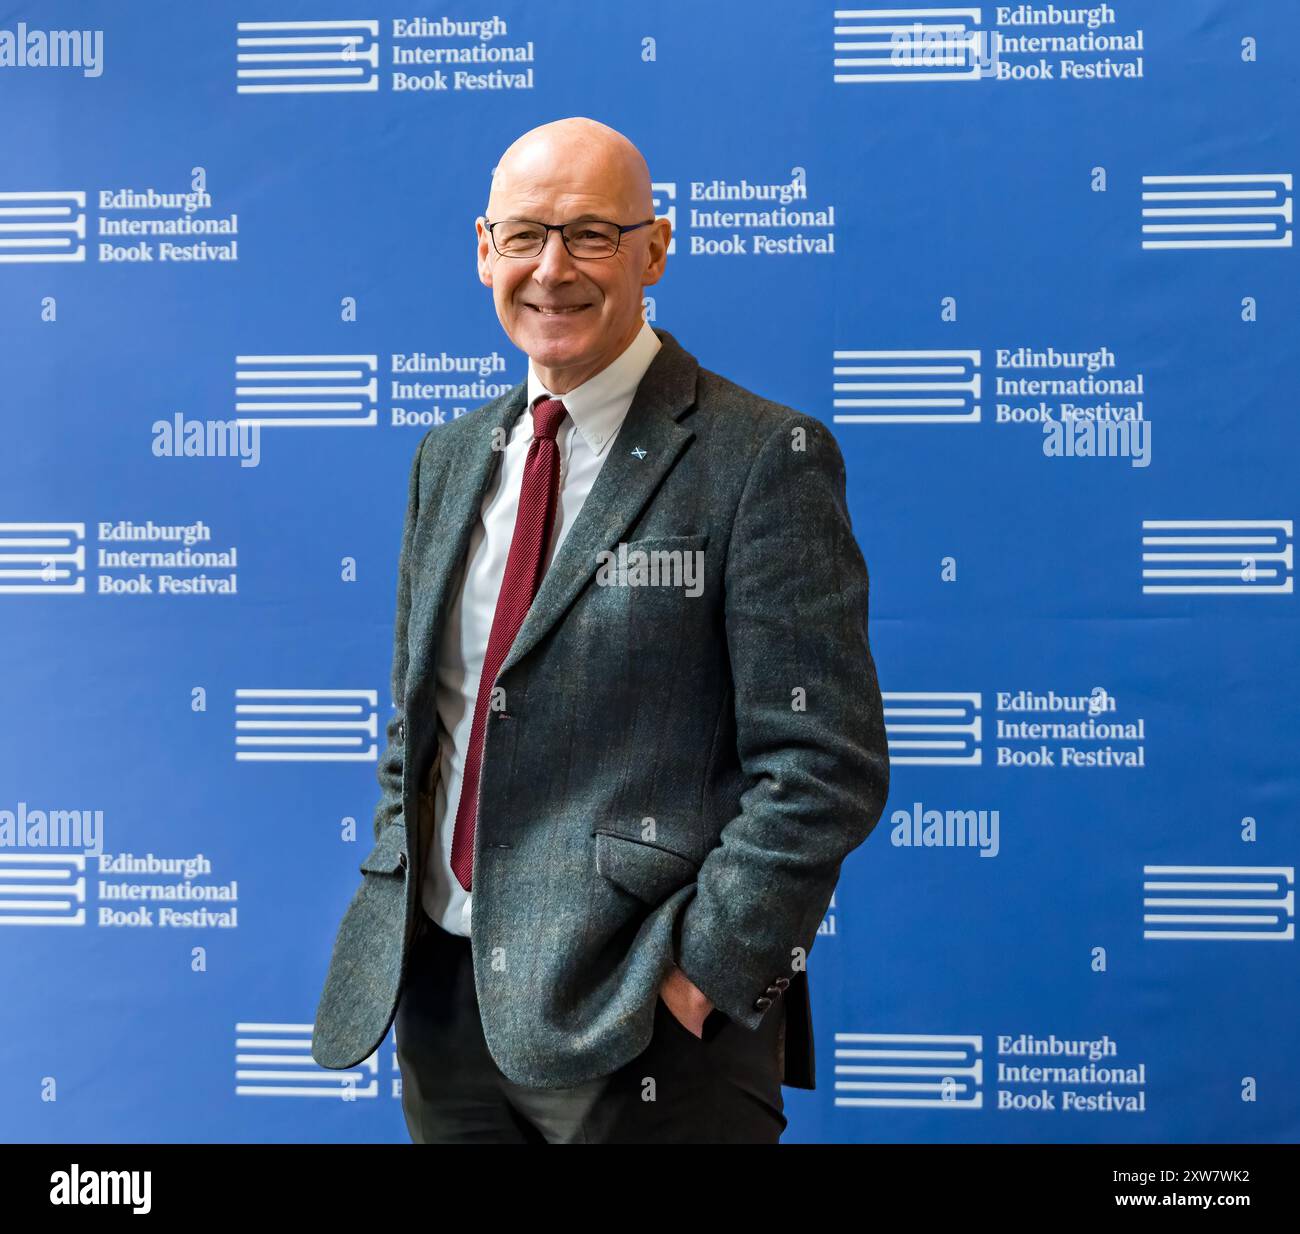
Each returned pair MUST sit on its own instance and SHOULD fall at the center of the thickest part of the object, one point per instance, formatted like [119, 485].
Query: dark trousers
[725, 1088]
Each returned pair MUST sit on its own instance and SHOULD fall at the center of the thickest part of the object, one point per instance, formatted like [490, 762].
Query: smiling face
[559, 173]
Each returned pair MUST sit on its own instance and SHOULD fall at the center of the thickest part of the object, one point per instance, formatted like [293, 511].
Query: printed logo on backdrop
[40, 885]
[1209, 557]
[1020, 42]
[1244, 904]
[1217, 212]
[326, 390]
[744, 218]
[909, 1070]
[306, 726]
[274, 1060]
[44, 224]
[1079, 413]
[427, 55]
[946, 730]
[934, 729]
[301, 391]
[50, 559]
[934, 1071]
[307, 391]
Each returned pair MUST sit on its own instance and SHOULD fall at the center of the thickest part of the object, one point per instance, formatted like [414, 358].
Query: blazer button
[781, 983]
[401, 730]
[401, 860]
[762, 1003]
[773, 991]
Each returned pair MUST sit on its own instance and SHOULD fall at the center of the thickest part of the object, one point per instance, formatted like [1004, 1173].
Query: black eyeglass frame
[550, 227]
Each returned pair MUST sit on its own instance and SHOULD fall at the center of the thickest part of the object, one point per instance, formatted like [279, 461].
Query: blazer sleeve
[392, 760]
[809, 721]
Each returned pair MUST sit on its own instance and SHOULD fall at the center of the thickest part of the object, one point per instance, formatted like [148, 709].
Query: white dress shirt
[596, 410]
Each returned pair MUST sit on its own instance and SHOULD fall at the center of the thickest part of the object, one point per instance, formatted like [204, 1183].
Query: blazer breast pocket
[652, 590]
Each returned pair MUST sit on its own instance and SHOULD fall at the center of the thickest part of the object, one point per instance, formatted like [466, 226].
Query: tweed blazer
[671, 773]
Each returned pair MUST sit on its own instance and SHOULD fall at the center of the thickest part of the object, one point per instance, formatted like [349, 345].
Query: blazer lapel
[642, 452]
[444, 541]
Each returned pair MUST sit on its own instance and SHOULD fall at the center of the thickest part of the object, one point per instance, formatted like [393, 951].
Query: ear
[484, 252]
[657, 251]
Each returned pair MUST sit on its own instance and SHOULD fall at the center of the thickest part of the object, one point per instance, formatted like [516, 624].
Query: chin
[551, 351]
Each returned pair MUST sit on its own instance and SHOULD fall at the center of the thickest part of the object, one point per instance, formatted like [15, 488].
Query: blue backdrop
[995, 247]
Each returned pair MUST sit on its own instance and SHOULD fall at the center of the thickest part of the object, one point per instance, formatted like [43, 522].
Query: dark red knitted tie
[519, 585]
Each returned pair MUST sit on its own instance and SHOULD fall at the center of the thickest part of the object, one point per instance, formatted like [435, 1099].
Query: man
[638, 726]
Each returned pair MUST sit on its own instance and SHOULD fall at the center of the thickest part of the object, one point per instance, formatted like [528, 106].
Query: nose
[554, 262]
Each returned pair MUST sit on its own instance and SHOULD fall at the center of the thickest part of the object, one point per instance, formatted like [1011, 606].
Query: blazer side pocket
[646, 871]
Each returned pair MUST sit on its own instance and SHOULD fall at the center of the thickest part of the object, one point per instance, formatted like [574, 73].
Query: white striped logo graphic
[288, 726]
[274, 1060]
[42, 558]
[906, 387]
[1237, 903]
[42, 227]
[1216, 212]
[1217, 557]
[916, 1070]
[930, 44]
[307, 57]
[42, 889]
[934, 729]
[306, 391]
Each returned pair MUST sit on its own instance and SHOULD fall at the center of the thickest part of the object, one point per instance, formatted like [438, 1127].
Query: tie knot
[547, 414]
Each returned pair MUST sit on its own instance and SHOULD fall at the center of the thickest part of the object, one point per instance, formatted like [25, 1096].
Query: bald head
[574, 158]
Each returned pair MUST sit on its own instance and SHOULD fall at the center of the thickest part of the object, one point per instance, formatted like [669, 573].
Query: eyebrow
[581, 218]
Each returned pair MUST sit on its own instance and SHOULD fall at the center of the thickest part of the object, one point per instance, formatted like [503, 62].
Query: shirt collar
[598, 406]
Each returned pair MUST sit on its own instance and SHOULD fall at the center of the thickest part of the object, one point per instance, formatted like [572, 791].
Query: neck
[562, 380]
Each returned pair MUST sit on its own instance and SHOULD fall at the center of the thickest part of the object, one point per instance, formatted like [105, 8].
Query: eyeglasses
[587, 239]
